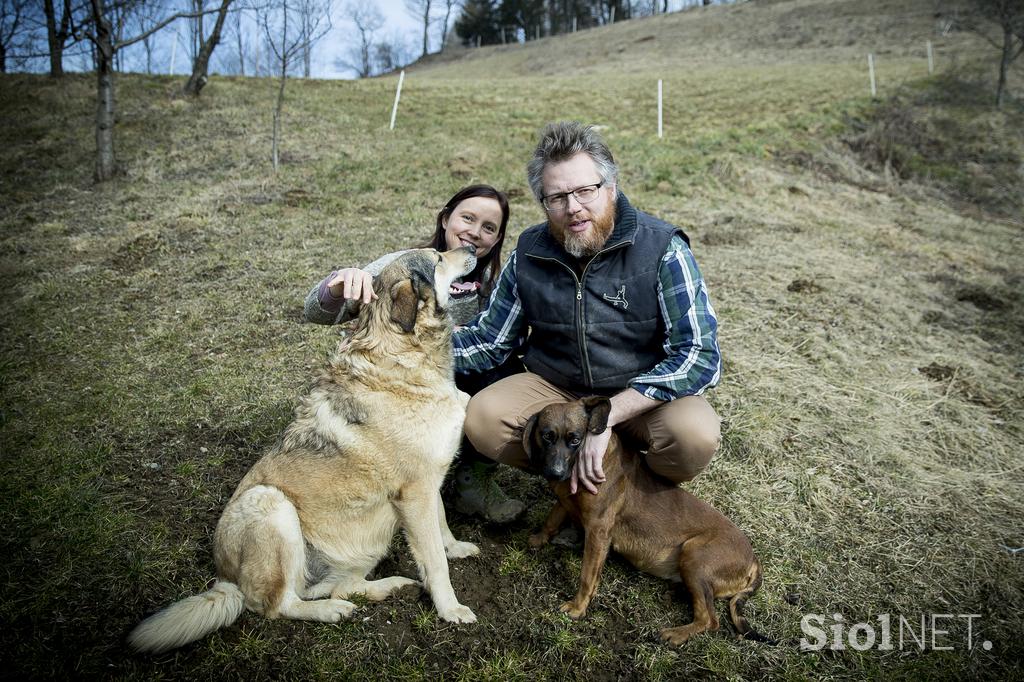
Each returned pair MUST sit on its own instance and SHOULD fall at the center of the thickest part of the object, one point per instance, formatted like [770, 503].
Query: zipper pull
[579, 293]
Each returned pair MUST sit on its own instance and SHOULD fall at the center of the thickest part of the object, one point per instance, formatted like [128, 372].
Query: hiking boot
[477, 493]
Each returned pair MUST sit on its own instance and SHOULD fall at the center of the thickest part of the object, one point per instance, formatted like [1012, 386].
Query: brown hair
[493, 259]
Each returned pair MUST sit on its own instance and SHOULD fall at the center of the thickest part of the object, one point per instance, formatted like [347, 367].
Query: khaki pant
[680, 436]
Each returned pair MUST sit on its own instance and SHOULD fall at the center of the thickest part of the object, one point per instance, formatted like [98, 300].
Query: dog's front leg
[455, 549]
[556, 518]
[417, 506]
[595, 551]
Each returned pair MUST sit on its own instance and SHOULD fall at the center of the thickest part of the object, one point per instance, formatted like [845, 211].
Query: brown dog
[659, 527]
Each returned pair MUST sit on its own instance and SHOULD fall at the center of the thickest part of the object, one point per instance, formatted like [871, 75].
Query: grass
[152, 347]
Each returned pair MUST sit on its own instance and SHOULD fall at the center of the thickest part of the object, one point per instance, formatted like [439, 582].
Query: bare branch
[162, 24]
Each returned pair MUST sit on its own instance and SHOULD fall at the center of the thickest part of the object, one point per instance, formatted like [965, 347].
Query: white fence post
[931, 59]
[613, 15]
[659, 110]
[398, 95]
[574, 24]
[174, 50]
[871, 72]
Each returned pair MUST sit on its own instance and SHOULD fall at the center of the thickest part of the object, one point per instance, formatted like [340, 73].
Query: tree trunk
[426, 27]
[105, 164]
[1004, 63]
[199, 76]
[241, 48]
[275, 139]
[444, 27]
[55, 42]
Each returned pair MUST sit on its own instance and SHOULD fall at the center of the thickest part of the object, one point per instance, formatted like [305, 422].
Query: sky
[397, 20]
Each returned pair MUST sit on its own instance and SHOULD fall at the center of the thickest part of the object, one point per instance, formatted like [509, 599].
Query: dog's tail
[738, 600]
[189, 619]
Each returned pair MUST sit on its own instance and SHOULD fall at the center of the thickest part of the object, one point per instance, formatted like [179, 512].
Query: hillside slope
[756, 32]
[865, 260]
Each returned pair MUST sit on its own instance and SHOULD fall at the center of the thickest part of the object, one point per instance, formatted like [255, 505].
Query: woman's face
[474, 221]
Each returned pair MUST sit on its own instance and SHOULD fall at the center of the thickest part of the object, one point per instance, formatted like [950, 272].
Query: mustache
[585, 244]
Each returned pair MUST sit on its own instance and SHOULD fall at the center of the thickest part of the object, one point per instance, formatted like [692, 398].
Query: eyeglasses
[560, 201]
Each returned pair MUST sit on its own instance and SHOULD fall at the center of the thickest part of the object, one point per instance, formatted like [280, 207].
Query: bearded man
[600, 299]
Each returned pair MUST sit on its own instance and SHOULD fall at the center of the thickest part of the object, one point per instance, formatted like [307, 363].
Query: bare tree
[201, 64]
[13, 27]
[391, 53]
[359, 56]
[309, 14]
[449, 5]
[1008, 18]
[235, 64]
[286, 37]
[62, 29]
[420, 10]
[101, 33]
[147, 14]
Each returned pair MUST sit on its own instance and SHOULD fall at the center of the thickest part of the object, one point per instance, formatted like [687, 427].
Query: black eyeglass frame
[564, 196]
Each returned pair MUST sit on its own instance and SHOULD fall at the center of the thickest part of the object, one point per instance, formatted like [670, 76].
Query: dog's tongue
[463, 287]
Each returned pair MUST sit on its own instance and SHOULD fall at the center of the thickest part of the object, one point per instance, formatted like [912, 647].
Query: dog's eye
[574, 440]
[548, 437]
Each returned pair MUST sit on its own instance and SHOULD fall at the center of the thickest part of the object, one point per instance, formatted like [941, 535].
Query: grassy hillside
[864, 259]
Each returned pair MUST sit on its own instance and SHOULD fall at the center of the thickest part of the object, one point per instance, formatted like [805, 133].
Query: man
[599, 299]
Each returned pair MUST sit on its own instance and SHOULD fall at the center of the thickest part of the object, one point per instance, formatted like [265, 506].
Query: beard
[586, 244]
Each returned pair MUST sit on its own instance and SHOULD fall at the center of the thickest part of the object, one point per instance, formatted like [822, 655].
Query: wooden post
[871, 72]
[398, 95]
[931, 59]
[659, 110]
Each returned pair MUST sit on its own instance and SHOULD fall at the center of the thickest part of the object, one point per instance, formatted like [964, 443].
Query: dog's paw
[537, 540]
[571, 609]
[677, 636]
[333, 610]
[458, 614]
[461, 550]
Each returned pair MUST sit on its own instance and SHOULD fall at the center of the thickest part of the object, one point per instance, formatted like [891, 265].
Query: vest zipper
[581, 320]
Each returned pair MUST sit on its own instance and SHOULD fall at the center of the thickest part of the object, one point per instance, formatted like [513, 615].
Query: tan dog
[660, 528]
[366, 453]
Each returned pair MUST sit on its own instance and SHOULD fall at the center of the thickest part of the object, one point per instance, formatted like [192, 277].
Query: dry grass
[871, 325]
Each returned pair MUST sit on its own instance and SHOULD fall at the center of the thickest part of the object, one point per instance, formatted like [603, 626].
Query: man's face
[582, 229]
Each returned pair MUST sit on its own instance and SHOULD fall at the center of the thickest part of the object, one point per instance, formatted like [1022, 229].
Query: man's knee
[483, 422]
[689, 448]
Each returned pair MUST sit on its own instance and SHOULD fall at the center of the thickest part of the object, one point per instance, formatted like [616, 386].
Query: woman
[476, 215]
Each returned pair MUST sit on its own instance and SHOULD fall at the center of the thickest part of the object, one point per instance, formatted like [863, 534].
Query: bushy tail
[739, 621]
[189, 619]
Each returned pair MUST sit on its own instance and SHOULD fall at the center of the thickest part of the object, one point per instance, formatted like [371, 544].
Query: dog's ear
[527, 439]
[598, 408]
[405, 304]
[527, 434]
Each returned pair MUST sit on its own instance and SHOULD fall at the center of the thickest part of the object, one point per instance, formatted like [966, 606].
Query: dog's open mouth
[463, 288]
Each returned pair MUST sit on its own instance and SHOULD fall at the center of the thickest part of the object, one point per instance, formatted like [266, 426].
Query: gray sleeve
[318, 306]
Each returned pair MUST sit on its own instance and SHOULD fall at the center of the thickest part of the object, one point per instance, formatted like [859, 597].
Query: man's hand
[589, 469]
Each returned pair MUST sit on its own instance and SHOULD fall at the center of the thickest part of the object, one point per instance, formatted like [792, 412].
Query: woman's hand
[353, 284]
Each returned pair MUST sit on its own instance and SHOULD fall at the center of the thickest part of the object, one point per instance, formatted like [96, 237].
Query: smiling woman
[475, 216]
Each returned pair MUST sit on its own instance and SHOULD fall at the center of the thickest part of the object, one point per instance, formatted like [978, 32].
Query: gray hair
[564, 140]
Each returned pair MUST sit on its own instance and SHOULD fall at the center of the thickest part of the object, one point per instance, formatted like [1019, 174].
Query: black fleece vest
[594, 333]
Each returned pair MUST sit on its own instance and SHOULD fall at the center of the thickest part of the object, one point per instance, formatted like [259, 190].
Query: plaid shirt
[692, 361]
